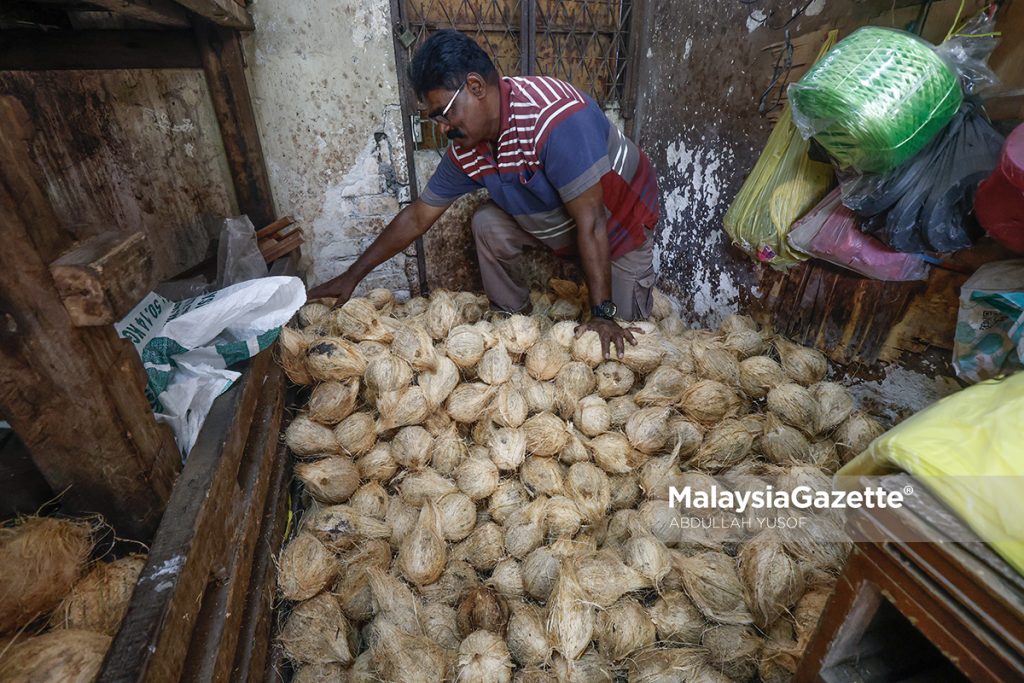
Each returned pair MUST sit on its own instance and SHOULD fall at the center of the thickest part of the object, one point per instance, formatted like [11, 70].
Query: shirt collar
[506, 92]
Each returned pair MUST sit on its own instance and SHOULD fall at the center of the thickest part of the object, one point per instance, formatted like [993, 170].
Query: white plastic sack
[186, 347]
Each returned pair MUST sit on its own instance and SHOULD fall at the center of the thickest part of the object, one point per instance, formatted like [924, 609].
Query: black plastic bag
[927, 203]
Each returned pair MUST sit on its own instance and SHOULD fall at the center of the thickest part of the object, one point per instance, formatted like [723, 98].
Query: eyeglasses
[443, 116]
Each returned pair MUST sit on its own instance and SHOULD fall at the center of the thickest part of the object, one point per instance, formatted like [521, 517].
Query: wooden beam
[95, 49]
[163, 12]
[224, 65]
[73, 395]
[194, 540]
[226, 13]
[102, 279]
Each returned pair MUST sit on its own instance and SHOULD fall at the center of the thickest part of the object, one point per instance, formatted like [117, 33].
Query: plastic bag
[966, 448]
[783, 185]
[829, 232]
[967, 50]
[927, 204]
[876, 99]
[186, 347]
[238, 255]
[989, 338]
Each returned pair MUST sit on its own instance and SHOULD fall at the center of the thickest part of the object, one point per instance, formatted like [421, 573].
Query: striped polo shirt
[555, 143]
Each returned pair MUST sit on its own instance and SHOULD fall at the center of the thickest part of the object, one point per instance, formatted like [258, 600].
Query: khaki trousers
[499, 245]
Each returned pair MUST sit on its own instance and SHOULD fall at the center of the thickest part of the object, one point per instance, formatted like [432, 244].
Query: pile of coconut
[58, 610]
[489, 495]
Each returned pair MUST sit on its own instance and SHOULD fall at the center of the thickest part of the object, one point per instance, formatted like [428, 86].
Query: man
[559, 174]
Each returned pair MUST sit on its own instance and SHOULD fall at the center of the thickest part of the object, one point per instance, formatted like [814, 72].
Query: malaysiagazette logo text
[801, 498]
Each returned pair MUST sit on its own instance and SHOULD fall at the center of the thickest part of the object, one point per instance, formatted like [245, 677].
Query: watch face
[610, 308]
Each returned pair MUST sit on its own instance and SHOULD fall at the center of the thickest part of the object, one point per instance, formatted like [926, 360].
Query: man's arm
[410, 223]
[589, 213]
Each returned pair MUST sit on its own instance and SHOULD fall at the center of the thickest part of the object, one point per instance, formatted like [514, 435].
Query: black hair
[444, 61]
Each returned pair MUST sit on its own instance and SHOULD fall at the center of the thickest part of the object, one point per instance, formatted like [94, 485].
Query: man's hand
[339, 288]
[611, 333]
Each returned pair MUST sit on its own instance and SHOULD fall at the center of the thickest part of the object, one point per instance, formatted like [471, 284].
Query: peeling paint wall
[325, 91]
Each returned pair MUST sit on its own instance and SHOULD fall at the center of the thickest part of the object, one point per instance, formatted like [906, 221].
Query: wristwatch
[606, 309]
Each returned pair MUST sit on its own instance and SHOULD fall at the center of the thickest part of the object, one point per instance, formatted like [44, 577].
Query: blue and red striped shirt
[555, 143]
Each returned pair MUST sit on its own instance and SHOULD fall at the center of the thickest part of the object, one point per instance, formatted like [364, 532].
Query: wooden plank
[226, 13]
[103, 278]
[163, 12]
[275, 227]
[223, 63]
[73, 395]
[95, 49]
[284, 246]
[193, 540]
[211, 656]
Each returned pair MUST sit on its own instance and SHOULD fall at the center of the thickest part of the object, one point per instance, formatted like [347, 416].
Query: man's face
[456, 112]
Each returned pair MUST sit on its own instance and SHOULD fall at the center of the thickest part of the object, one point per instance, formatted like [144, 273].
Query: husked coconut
[606, 578]
[540, 570]
[673, 664]
[574, 381]
[317, 632]
[684, 435]
[545, 359]
[664, 387]
[613, 379]
[291, 354]
[306, 437]
[574, 450]
[540, 396]
[509, 496]
[649, 350]
[623, 629]
[467, 403]
[412, 343]
[734, 650]
[447, 452]
[795, 406]
[419, 487]
[570, 620]
[356, 434]
[305, 568]
[313, 313]
[855, 434]
[737, 323]
[510, 408]
[394, 601]
[563, 333]
[615, 454]
[647, 429]
[676, 619]
[484, 658]
[330, 480]
[44, 557]
[333, 358]
[803, 365]
[439, 382]
[507, 448]
[483, 548]
[759, 375]
[726, 444]
[100, 599]
[414, 307]
[339, 527]
[621, 408]
[387, 372]
[456, 514]
[370, 499]
[482, 608]
[563, 309]
[542, 475]
[527, 635]
[382, 299]
[591, 667]
[663, 306]
[332, 402]
[646, 554]
[477, 477]
[442, 314]
[465, 346]
[359, 320]
[563, 517]
[402, 658]
[592, 416]
[782, 444]
[438, 621]
[713, 361]
[625, 490]
[66, 655]
[745, 343]
[518, 333]
[545, 434]
[590, 489]
[710, 581]
[458, 577]
[834, 405]
[372, 349]
[507, 578]
[709, 401]
[495, 366]
[772, 580]
[411, 447]
[402, 408]
[524, 529]
[377, 464]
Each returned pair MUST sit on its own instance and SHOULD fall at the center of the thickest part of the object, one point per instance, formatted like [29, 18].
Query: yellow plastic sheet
[784, 185]
[968, 449]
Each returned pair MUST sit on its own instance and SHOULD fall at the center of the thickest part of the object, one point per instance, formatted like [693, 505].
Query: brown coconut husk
[442, 314]
[483, 548]
[591, 415]
[564, 309]
[317, 632]
[570, 619]
[448, 451]
[403, 658]
[835, 404]
[332, 402]
[487, 330]
[509, 408]
[411, 447]
[372, 349]
[545, 359]
[477, 477]
[733, 650]
[606, 578]
[524, 529]
[646, 554]
[527, 635]
[711, 582]
[402, 408]
[563, 333]
[305, 568]
[100, 599]
[563, 518]
[333, 358]
[423, 553]
[370, 499]
[414, 307]
[359, 319]
[803, 365]
[321, 673]
[484, 658]
[458, 577]
[613, 379]
[291, 354]
[356, 434]
[540, 570]
[649, 350]
[772, 580]
[712, 360]
[672, 664]
[393, 600]
[759, 375]
[807, 613]
[685, 436]
[745, 343]
[305, 437]
[587, 349]
[782, 444]
[382, 299]
[621, 408]
[518, 333]
[330, 480]
[540, 396]
[725, 445]
[625, 490]
[855, 433]
[777, 664]
[482, 608]
[465, 346]
[677, 619]
[438, 622]
[647, 429]
[468, 401]
[507, 578]
[387, 372]
[65, 655]
[509, 496]
[44, 557]
[590, 489]
[622, 629]
[456, 514]
[339, 527]
[378, 464]
[507, 448]
[495, 366]
[664, 387]
[795, 406]
[708, 402]
[313, 313]
[574, 450]
[542, 476]
[574, 381]
[545, 434]
[615, 454]
[419, 487]
[412, 343]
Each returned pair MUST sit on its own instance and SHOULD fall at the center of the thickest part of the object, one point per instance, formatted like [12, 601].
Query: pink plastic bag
[829, 232]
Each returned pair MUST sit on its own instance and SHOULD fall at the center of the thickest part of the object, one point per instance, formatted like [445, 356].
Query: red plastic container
[999, 203]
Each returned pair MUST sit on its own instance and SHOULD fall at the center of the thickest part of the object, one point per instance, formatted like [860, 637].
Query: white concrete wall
[325, 90]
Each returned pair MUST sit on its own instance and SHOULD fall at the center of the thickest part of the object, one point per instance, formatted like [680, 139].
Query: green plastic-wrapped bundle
[876, 99]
